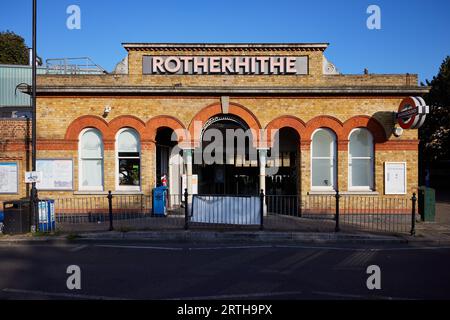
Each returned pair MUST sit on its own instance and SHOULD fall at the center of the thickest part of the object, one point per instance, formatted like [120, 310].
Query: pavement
[426, 234]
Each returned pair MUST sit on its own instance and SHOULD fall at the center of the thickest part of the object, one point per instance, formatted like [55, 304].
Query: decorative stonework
[329, 68]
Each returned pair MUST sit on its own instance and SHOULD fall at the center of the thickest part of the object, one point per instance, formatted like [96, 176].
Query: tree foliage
[435, 133]
[13, 49]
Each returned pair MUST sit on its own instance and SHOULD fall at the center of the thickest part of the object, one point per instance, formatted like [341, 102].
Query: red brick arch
[164, 121]
[370, 123]
[324, 122]
[236, 109]
[127, 121]
[88, 121]
[283, 122]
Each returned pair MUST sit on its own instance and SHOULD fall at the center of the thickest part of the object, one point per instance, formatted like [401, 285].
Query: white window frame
[80, 162]
[118, 186]
[333, 157]
[370, 187]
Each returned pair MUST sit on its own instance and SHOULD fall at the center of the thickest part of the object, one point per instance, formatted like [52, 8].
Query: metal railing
[348, 212]
[118, 212]
[82, 65]
[326, 213]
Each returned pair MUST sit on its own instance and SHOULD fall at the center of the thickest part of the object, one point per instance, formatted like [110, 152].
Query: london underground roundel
[412, 113]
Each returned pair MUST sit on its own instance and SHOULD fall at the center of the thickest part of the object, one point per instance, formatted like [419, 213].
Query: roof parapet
[226, 46]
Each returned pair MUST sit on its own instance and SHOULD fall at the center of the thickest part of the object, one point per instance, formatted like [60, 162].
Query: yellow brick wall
[56, 113]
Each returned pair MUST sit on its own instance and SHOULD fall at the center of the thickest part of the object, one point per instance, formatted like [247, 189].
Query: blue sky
[414, 35]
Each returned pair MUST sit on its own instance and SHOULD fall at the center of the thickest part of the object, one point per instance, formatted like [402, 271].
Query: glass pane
[91, 145]
[128, 141]
[129, 172]
[323, 144]
[360, 143]
[361, 173]
[322, 173]
[92, 173]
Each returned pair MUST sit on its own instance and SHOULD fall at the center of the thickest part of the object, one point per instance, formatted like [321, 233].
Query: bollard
[337, 196]
[111, 228]
[34, 209]
[186, 210]
[261, 200]
[413, 215]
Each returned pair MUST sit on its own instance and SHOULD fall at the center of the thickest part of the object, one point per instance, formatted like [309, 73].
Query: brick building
[116, 131]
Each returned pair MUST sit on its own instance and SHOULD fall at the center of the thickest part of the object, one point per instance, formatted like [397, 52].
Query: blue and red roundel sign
[412, 113]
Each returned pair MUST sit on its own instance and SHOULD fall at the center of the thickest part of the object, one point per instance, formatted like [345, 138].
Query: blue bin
[159, 201]
[46, 209]
[2, 216]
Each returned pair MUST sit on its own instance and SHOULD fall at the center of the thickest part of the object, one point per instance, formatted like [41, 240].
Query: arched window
[91, 160]
[360, 160]
[128, 160]
[323, 160]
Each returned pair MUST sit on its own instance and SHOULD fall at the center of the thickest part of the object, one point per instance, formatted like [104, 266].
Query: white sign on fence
[244, 210]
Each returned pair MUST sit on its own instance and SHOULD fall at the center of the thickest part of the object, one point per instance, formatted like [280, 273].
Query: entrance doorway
[168, 163]
[235, 168]
[285, 179]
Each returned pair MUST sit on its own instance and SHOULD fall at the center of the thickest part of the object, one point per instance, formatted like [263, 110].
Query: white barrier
[238, 210]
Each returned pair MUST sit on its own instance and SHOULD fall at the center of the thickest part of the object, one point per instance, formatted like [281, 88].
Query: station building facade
[119, 131]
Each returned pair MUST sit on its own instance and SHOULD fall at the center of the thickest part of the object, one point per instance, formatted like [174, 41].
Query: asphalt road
[118, 270]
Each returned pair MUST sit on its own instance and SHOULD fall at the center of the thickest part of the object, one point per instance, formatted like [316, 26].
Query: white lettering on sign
[225, 65]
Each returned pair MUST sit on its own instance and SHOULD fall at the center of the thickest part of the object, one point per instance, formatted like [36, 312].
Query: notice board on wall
[8, 177]
[395, 177]
[57, 174]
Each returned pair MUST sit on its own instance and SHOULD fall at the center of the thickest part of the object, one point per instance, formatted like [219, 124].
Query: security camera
[398, 131]
[106, 111]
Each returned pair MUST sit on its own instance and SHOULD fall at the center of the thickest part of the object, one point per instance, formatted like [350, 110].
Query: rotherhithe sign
[225, 65]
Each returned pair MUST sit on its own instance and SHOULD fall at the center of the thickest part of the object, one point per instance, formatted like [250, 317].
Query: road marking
[79, 248]
[244, 295]
[61, 294]
[138, 247]
[357, 296]
[233, 247]
[356, 260]
[360, 249]
[317, 247]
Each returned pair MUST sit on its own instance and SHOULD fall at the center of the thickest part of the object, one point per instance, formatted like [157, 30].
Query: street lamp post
[34, 193]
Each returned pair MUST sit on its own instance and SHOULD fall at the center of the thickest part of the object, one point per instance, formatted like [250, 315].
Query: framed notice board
[9, 178]
[395, 177]
[57, 174]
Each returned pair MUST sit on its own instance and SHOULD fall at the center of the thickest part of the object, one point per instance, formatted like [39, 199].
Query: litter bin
[46, 208]
[427, 203]
[159, 201]
[17, 217]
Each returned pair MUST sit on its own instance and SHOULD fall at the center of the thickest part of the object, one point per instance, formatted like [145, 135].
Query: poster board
[9, 177]
[57, 174]
[395, 178]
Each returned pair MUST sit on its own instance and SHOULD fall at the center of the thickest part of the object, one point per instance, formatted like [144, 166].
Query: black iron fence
[347, 212]
[328, 213]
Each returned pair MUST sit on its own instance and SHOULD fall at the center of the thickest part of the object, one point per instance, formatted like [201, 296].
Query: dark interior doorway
[164, 145]
[238, 174]
[286, 179]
